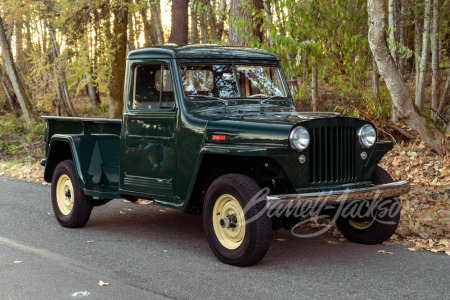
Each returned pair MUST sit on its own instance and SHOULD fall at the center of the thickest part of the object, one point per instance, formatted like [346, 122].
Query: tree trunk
[147, 27]
[155, 20]
[221, 19]
[203, 26]
[119, 46]
[392, 25]
[180, 22]
[402, 33]
[399, 91]
[314, 86]
[423, 64]
[12, 74]
[195, 39]
[268, 13]
[211, 21]
[60, 73]
[9, 96]
[236, 13]
[435, 37]
[417, 45]
[258, 6]
[375, 80]
[239, 11]
[131, 39]
[445, 95]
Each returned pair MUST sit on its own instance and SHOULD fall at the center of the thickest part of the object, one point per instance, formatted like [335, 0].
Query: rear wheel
[380, 224]
[71, 206]
[232, 240]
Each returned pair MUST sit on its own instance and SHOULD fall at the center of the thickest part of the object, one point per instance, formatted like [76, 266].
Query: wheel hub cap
[64, 194]
[229, 221]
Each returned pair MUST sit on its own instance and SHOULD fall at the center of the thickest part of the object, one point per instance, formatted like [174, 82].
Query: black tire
[73, 209]
[381, 225]
[255, 242]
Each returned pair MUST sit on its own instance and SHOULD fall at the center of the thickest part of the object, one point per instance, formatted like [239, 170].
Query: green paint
[169, 153]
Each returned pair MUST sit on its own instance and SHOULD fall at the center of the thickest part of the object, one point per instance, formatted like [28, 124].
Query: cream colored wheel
[228, 221]
[231, 237]
[65, 194]
[72, 207]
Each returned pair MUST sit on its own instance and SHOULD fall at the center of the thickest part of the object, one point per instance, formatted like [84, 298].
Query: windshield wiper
[210, 98]
[270, 98]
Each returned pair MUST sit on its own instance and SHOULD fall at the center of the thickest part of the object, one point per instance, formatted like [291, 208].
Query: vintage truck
[206, 128]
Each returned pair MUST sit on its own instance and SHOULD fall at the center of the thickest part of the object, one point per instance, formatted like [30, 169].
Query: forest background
[386, 61]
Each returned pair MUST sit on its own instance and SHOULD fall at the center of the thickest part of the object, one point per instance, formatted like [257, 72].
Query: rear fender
[63, 147]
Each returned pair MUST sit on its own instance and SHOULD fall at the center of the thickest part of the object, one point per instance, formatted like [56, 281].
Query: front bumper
[387, 190]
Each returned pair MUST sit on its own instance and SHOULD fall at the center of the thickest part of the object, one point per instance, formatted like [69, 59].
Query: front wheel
[378, 225]
[71, 206]
[233, 240]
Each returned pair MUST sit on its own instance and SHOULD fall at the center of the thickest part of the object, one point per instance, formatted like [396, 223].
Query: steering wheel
[258, 95]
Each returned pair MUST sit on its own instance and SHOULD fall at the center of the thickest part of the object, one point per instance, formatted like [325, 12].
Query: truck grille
[333, 154]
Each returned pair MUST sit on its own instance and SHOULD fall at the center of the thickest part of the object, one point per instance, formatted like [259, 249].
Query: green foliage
[333, 32]
[18, 140]
[402, 50]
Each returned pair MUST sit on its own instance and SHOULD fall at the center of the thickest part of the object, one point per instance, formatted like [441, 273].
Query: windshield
[231, 81]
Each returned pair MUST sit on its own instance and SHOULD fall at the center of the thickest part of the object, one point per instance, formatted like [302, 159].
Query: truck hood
[269, 127]
[265, 114]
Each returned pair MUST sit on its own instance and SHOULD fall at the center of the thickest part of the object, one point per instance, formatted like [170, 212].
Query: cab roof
[201, 51]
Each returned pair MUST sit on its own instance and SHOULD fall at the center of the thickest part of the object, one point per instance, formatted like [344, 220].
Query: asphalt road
[150, 252]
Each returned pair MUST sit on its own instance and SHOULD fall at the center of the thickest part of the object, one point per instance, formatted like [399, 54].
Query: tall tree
[435, 55]
[119, 9]
[243, 22]
[157, 30]
[392, 9]
[180, 22]
[195, 37]
[399, 91]
[13, 74]
[424, 59]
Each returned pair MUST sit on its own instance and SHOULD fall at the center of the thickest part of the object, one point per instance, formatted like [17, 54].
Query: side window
[152, 87]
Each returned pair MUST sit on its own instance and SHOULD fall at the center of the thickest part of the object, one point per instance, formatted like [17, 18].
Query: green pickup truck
[213, 130]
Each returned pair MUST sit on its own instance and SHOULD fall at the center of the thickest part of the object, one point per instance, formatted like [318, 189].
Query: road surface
[151, 252]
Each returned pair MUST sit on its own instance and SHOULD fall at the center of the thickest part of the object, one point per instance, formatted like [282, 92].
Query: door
[150, 126]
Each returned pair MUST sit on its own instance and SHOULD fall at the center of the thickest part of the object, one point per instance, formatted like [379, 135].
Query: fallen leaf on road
[411, 249]
[81, 294]
[144, 202]
[91, 241]
[280, 240]
[165, 251]
[17, 261]
[385, 252]
[122, 212]
[331, 242]
[102, 283]
[161, 210]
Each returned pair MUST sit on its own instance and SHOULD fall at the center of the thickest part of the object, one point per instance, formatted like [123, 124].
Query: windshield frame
[233, 65]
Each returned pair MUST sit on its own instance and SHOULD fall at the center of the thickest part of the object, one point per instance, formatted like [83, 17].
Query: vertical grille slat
[333, 155]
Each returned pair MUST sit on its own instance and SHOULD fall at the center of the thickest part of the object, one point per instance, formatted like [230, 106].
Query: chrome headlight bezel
[367, 135]
[299, 138]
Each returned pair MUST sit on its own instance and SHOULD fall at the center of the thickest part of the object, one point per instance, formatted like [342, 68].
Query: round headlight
[299, 138]
[367, 135]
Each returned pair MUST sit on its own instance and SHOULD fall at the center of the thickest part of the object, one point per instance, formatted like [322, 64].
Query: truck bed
[94, 145]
